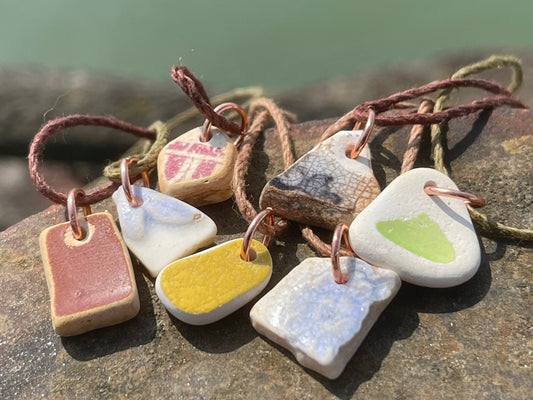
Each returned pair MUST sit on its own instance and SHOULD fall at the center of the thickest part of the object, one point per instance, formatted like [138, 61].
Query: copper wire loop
[353, 151]
[206, 134]
[247, 239]
[126, 184]
[471, 199]
[77, 231]
[341, 232]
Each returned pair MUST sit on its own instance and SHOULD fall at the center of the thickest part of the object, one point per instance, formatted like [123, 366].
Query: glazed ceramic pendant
[428, 240]
[161, 229]
[207, 286]
[320, 321]
[324, 187]
[196, 172]
[90, 280]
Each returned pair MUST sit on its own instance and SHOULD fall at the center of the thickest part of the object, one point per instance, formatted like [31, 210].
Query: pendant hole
[252, 255]
[84, 229]
[348, 151]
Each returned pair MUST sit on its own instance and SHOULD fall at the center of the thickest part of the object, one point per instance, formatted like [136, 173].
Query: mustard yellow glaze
[204, 281]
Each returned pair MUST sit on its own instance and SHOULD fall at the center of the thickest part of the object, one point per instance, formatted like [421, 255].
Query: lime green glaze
[420, 235]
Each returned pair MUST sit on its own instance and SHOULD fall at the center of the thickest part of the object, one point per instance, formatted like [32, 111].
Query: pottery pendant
[196, 172]
[324, 187]
[207, 286]
[428, 240]
[91, 281]
[322, 322]
[162, 229]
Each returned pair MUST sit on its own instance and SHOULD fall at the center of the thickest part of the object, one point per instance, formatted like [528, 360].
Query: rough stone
[469, 341]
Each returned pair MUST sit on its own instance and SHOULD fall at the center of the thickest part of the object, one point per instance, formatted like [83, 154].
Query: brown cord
[409, 157]
[504, 98]
[260, 111]
[194, 89]
[426, 117]
[38, 144]
[321, 247]
[347, 120]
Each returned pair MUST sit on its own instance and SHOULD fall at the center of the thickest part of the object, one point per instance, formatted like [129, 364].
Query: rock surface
[470, 341]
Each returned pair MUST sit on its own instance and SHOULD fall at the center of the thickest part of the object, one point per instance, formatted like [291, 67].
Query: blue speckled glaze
[320, 321]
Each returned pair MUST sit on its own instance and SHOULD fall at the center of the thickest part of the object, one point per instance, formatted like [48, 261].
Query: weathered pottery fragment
[428, 240]
[322, 322]
[209, 285]
[324, 187]
[91, 281]
[162, 229]
[196, 172]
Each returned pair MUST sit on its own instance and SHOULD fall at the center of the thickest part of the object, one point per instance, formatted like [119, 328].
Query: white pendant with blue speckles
[321, 322]
[162, 229]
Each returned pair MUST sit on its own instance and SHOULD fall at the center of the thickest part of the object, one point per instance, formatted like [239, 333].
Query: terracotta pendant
[195, 172]
[158, 228]
[207, 286]
[197, 167]
[324, 187]
[90, 278]
[428, 240]
[320, 321]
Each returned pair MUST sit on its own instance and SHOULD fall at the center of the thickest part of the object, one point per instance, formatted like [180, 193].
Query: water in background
[276, 43]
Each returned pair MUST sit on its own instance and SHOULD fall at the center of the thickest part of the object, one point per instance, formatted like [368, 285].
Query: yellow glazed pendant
[207, 286]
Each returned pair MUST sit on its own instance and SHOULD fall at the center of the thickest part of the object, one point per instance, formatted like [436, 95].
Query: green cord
[487, 224]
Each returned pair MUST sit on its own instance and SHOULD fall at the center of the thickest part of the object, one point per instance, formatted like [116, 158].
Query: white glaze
[321, 322]
[405, 199]
[163, 228]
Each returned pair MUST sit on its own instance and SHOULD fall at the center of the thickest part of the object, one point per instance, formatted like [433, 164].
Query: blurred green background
[280, 44]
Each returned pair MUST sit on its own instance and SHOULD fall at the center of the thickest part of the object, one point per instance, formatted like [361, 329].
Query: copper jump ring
[77, 231]
[353, 151]
[471, 199]
[341, 232]
[206, 134]
[247, 239]
[126, 184]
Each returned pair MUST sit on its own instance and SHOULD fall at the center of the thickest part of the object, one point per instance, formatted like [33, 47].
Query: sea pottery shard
[207, 286]
[163, 228]
[91, 281]
[321, 322]
[196, 172]
[324, 187]
[428, 240]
